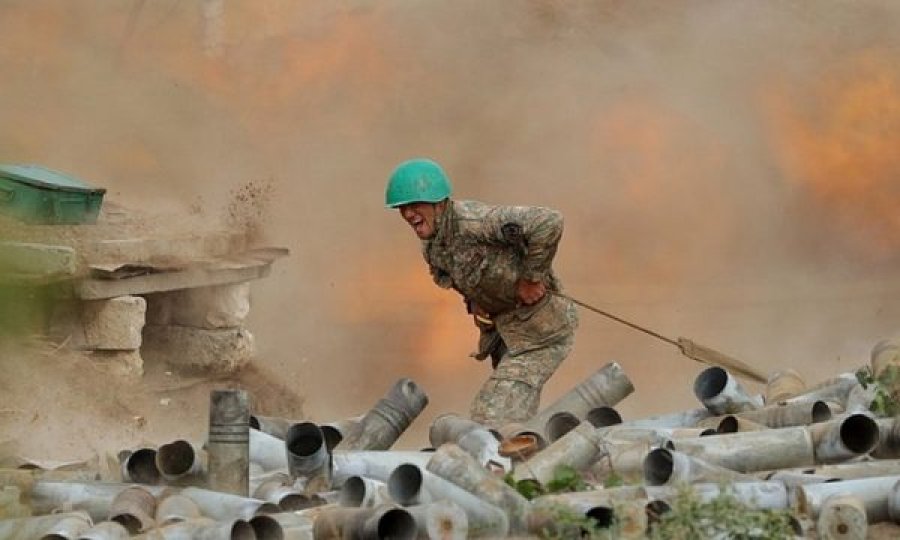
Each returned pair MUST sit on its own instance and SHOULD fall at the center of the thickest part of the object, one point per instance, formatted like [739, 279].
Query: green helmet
[417, 180]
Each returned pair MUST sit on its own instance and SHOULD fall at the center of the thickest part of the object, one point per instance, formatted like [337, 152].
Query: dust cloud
[728, 170]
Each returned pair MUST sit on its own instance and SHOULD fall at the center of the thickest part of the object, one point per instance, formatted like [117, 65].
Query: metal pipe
[790, 414]
[377, 464]
[228, 446]
[227, 506]
[203, 529]
[625, 460]
[35, 526]
[272, 425]
[859, 469]
[559, 424]
[134, 509]
[410, 485]
[175, 508]
[840, 440]
[388, 419]
[784, 384]
[440, 521]
[93, 497]
[284, 526]
[894, 503]
[139, 466]
[604, 506]
[360, 491]
[365, 523]
[578, 448]
[181, 462]
[471, 436]
[873, 492]
[607, 386]
[835, 390]
[307, 456]
[888, 446]
[735, 424]
[754, 450]
[667, 467]
[792, 478]
[105, 530]
[69, 527]
[688, 418]
[723, 394]
[455, 465]
[603, 416]
[267, 451]
[278, 489]
[843, 517]
[337, 431]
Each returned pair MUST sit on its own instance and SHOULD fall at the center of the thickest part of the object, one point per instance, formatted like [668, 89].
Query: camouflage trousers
[513, 392]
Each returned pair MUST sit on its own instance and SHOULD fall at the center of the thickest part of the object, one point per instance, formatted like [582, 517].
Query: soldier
[499, 259]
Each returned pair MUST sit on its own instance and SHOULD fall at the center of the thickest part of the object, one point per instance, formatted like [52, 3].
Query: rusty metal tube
[578, 448]
[790, 414]
[603, 416]
[308, 457]
[337, 431]
[91, 497]
[69, 527]
[45, 525]
[688, 418]
[843, 517]
[754, 450]
[667, 467]
[604, 506]
[859, 469]
[471, 436]
[410, 485]
[278, 489]
[840, 440]
[227, 506]
[455, 465]
[283, 526]
[607, 386]
[888, 446]
[440, 521]
[735, 424]
[105, 530]
[139, 466]
[783, 384]
[369, 523]
[559, 424]
[360, 491]
[625, 460]
[723, 394]
[175, 508]
[834, 390]
[377, 464]
[181, 462]
[873, 492]
[204, 529]
[134, 509]
[228, 447]
[388, 419]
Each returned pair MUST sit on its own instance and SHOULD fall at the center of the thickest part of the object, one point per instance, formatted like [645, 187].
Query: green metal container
[39, 195]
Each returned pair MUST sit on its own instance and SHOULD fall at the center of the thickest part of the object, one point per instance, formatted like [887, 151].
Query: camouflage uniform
[482, 251]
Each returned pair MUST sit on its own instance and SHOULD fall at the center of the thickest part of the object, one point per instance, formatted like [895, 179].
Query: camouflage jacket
[482, 250]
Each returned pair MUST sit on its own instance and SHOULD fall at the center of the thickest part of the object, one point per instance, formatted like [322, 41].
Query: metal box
[38, 195]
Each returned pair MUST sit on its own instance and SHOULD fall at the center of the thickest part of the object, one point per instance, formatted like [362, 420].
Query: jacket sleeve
[534, 230]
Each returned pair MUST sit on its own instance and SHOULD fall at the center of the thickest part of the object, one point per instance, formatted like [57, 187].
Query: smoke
[728, 170]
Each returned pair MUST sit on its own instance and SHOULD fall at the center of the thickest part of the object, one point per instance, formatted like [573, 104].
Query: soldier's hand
[530, 292]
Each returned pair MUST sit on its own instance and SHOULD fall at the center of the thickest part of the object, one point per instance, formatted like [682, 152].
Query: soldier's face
[422, 217]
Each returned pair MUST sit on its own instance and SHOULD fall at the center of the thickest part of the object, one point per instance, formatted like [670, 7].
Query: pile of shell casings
[817, 452]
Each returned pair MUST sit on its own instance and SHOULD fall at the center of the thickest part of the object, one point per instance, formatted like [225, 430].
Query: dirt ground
[58, 404]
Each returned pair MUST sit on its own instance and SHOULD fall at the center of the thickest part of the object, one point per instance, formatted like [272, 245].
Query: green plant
[721, 517]
[886, 387]
[567, 524]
